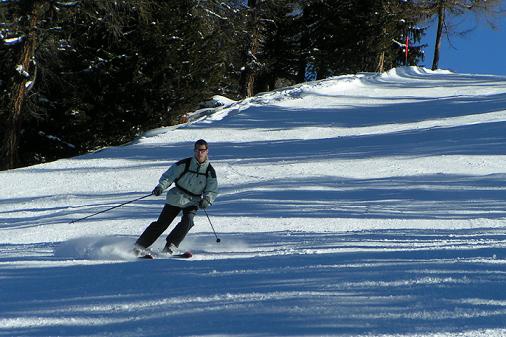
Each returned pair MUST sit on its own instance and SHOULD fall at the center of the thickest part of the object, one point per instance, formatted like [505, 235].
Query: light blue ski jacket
[199, 181]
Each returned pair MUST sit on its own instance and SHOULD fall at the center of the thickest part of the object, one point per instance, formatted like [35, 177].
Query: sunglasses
[200, 150]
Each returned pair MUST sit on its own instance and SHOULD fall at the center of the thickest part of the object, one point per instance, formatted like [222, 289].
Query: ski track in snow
[360, 205]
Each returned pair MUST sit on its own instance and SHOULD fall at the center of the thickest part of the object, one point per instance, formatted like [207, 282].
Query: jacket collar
[195, 163]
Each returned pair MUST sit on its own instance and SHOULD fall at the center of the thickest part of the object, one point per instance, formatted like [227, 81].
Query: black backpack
[186, 163]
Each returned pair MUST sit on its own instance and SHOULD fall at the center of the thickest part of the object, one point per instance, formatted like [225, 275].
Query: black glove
[204, 203]
[157, 191]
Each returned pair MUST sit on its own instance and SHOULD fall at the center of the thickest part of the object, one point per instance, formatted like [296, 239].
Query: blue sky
[482, 51]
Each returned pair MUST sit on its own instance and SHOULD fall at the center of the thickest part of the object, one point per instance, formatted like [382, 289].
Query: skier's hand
[204, 203]
[157, 191]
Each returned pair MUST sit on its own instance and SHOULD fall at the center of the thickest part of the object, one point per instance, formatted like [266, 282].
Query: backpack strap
[186, 163]
[210, 169]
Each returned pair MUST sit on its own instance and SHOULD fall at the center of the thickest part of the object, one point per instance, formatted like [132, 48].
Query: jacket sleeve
[170, 175]
[211, 190]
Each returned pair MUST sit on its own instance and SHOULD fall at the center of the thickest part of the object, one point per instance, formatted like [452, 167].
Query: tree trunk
[254, 44]
[381, 63]
[439, 33]
[252, 73]
[304, 55]
[19, 91]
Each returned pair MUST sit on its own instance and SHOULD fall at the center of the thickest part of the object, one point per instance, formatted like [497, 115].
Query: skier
[196, 186]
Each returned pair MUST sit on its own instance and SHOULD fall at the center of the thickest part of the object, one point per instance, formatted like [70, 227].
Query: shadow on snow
[380, 281]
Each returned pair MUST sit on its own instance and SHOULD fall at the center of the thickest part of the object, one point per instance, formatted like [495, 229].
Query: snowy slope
[369, 204]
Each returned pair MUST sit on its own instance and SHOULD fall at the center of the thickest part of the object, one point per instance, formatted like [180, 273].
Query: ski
[151, 256]
[184, 255]
[146, 256]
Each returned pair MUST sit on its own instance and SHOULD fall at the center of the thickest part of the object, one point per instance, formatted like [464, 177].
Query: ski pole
[128, 202]
[217, 238]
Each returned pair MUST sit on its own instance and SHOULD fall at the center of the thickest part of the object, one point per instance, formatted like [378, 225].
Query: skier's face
[201, 153]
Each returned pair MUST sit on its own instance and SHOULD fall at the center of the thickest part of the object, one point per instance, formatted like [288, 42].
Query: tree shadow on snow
[354, 283]
[410, 197]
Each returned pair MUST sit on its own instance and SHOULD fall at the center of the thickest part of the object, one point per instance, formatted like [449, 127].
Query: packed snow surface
[359, 205]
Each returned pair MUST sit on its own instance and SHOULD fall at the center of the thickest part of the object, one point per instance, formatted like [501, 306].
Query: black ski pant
[168, 214]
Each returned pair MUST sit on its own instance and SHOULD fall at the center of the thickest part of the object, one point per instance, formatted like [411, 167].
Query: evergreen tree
[114, 69]
[271, 50]
[254, 46]
[54, 74]
[208, 54]
[99, 72]
[397, 25]
[283, 50]
[31, 32]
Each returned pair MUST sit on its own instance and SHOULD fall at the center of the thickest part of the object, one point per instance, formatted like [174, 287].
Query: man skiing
[196, 186]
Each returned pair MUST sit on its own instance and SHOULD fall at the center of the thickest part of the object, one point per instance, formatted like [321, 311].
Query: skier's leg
[179, 232]
[156, 228]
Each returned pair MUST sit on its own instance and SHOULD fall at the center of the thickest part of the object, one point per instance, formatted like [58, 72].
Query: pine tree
[271, 51]
[396, 24]
[254, 46]
[100, 72]
[32, 25]
[56, 71]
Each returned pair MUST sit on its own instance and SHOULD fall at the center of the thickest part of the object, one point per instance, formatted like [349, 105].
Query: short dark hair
[200, 142]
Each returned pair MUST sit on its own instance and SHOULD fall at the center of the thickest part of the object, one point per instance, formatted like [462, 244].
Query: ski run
[359, 205]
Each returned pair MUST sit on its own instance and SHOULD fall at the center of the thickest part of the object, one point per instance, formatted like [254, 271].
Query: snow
[21, 70]
[13, 41]
[368, 204]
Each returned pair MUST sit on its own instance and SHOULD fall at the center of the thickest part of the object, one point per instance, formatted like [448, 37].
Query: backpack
[186, 163]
